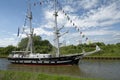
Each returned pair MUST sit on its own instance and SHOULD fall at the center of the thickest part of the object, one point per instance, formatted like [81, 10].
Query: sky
[97, 20]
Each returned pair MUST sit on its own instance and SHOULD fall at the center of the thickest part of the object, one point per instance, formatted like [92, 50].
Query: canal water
[103, 69]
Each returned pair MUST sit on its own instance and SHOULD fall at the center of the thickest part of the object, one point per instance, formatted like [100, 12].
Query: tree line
[44, 46]
[106, 49]
[39, 46]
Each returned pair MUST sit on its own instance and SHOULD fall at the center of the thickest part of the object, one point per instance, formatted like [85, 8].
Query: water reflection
[3, 64]
[101, 69]
[60, 70]
[86, 68]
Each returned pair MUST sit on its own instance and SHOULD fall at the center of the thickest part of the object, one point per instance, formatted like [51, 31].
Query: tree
[8, 49]
[23, 43]
[40, 46]
[100, 43]
[118, 44]
[43, 47]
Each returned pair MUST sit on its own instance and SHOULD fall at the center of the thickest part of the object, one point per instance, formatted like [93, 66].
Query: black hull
[66, 60]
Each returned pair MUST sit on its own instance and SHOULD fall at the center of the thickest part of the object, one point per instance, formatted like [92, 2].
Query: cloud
[68, 9]
[8, 41]
[87, 4]
[8, 38]
[49, 17]
[48, 14]
[98, 32]
[86, 14]
[49, 25]
[96, 16]
[41, 31]
[103, 16]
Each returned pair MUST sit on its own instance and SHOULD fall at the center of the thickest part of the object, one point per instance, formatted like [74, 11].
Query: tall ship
[29, 57]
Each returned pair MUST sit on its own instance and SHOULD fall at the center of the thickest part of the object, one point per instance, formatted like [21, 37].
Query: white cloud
[50, 19]
[106, 15]
[41, 31]
[49, 15]
[117, 34]
[8, 41]
[87, 4]
[49, 25]
[99, 32]
[103, 16]
[68, 9]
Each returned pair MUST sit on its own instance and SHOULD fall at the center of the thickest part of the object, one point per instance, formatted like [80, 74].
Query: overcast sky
[98, 20]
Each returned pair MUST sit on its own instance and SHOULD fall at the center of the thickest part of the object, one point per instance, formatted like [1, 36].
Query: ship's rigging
[28, 57]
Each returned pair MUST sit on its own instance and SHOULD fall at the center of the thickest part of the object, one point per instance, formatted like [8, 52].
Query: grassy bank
[107, 50]
[3, 56]
[101, 58]
[13, 75]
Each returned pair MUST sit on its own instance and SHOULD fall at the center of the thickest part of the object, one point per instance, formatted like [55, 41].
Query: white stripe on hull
[39, 62]
[58, 60]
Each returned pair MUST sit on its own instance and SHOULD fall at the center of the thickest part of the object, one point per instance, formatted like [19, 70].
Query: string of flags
[41, 2]
[74, 25]
[36, 3]
[71, 21]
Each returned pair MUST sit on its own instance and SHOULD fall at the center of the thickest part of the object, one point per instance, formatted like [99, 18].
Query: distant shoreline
[101, 58]
[3, 57]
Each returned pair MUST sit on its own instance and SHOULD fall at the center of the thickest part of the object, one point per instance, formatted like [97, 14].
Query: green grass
[13, 75]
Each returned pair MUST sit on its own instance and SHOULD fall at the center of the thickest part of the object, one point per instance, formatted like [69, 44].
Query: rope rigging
[71, 21]
[42, 2]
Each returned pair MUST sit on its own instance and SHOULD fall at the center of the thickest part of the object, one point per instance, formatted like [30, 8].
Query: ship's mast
[56, 30]
[30, 34]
